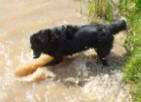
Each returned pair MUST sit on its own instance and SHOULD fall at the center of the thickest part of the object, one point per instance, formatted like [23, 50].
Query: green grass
[132, 69]
[131, 9]
[102, 9]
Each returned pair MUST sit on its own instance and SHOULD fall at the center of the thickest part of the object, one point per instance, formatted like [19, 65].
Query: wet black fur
[67, 40]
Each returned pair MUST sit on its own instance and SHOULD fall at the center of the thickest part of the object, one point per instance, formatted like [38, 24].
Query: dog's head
[38, 42]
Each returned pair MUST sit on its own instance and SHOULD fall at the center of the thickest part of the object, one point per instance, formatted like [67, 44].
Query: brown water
[21, 18]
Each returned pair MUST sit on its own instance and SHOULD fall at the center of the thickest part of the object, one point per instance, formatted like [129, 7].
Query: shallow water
[91, 83]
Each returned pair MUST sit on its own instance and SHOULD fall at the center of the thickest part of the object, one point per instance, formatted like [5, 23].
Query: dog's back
[85, 37]
[91, 36]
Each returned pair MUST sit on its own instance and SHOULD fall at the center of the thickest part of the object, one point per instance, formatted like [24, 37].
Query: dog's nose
[36, 55]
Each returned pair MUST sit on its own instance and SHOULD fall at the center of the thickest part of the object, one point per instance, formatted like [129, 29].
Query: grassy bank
[131, 9]
[132, 70]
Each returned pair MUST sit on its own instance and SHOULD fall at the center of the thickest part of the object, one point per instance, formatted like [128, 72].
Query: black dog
[67, 40]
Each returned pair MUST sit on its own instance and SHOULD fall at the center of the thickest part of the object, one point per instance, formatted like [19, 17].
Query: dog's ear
[34, 39]
[41, 37]
[48, 36]
[44, 36]
[51, 36]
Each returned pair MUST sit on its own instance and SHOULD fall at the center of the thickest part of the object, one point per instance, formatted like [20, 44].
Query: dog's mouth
[36, 54]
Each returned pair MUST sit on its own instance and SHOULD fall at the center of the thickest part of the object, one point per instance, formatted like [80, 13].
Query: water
[78, 79]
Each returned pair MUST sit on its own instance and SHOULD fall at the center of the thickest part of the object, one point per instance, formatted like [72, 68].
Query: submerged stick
[33, 65]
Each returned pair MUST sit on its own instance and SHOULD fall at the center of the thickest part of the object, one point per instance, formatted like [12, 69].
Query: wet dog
[67, 40]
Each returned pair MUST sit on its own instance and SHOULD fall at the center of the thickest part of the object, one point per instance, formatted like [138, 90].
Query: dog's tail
[118, 26]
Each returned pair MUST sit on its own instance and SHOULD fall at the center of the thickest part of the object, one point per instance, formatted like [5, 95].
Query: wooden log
[33, 65]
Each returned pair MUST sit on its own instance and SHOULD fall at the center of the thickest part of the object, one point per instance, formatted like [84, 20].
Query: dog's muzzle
[36, 54]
